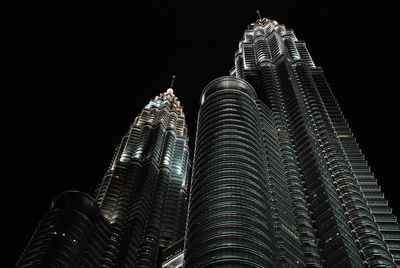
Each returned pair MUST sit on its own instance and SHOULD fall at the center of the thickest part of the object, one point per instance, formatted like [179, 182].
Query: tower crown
[167, 98]
[166, 109]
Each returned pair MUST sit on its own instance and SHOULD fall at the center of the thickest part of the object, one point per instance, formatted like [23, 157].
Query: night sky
[85, 71]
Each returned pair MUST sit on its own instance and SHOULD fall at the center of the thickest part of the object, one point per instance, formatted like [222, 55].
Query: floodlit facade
[278, 178]
[229, 218]
[143, 194]
[140, 205]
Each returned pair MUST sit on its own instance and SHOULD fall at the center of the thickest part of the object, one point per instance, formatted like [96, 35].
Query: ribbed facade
[321, 204]
[278, 179]
[336, 184]
[72, 234]
[229, 222]
[140, 205]
[143, 193]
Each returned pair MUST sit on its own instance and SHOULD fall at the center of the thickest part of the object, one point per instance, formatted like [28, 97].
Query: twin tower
[277, 179]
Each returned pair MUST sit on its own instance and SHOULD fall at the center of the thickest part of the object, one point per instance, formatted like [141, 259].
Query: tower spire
[172, 81]
[258, 13]
[170, 90]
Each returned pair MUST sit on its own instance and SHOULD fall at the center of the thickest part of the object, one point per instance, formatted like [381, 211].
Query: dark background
[81, 72]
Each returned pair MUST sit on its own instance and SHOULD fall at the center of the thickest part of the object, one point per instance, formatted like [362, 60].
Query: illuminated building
[140, 205]
[278, 178]
[143, 194]
[72, 234]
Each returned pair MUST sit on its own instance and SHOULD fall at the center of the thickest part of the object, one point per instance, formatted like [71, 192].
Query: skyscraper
[143, 194]
[139, 207]
[278, 177]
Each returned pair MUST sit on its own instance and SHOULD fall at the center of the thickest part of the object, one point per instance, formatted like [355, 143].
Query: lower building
[73, 233]
[140, 205]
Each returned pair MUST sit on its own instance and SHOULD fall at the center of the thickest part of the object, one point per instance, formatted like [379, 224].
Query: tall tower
[140, 205]
[143, 194]
[229, 219]
[273, 143]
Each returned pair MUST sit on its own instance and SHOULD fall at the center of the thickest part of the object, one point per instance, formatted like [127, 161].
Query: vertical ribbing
[72, 234]
[272, 96]
[370, 191]
[335, 236]
[357, 212]
[335, 198]
[229, 218]
[142, 195]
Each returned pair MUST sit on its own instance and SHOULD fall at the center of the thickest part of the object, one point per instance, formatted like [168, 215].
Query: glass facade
[316, 204]
[229, 222]
[278, 179]
[72, 234]
[140, 205]
[143, 193]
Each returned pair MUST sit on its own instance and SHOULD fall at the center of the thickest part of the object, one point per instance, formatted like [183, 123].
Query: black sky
[84, 72]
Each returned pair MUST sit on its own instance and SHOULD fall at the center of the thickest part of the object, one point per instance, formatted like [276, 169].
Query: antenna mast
[172, 82]
[259, 15]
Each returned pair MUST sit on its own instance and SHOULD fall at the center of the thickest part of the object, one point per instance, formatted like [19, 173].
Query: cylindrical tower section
[291, 49]
[228, 223]
[66, 234]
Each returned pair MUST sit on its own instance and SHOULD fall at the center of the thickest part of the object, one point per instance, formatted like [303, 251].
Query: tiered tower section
[143, 194]
[278, 178]
[140, 205]
[342, 217]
